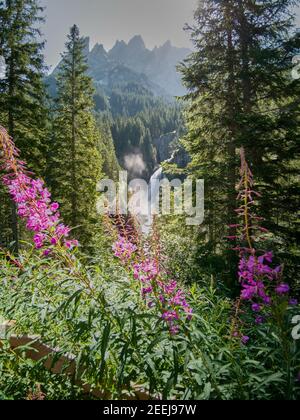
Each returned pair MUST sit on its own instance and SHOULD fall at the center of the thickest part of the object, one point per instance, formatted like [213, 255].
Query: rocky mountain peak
[118, 51]
[167, 45]
[154, 69]
[98, 51]
[119, 44]
[137, 43]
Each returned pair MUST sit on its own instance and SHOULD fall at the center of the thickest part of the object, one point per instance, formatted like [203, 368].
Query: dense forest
[206, 312]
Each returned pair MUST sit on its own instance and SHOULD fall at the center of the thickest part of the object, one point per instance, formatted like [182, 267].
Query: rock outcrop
[165, 146]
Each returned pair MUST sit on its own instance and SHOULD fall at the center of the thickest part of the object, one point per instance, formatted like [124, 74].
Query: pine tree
[241, 94]
[269, 124]
[75, 162]
[23, 108]
[111, 165]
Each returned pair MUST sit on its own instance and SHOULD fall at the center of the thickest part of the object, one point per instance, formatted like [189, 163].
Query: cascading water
[146, 219]
[149, 202]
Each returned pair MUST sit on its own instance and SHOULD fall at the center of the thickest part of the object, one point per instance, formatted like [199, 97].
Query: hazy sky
[105, 21]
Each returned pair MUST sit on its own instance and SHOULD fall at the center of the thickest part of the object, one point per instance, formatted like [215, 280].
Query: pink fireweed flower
[62, 231]
[170, 315]
[256, 307]
[174, 329]
[54, 241]
[231, 238]
[32, 198]
[293, 302]
[145, 271]
[70, 244]
[189, 312]
[124, 249]
[147, 290]
[259, 278]
[259, 320]
[245, 339]
[54, 207]
[157, 292]
[39, 240]
[282, 289]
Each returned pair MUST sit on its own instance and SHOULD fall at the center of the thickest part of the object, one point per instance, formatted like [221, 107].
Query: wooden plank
[65, 364]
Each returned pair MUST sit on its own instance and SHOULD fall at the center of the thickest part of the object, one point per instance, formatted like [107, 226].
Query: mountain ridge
[133, 60]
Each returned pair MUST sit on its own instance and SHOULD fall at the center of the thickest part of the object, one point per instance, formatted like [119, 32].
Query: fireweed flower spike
[34, 206]
[261, 282]
[156, 289]
[33, 200]
[123, 249]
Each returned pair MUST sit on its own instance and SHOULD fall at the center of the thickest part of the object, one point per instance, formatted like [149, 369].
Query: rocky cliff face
[133, 62]
[159, 64]
[169, 150]
[165, 146]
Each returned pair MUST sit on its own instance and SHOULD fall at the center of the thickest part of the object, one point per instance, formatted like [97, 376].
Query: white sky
[105, 21]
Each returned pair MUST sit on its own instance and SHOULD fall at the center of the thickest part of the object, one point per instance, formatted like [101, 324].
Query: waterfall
[154, 184]
[146, 220]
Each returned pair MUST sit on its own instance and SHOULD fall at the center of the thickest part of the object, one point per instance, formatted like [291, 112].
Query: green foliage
[22, 378]
[110, 165]
[117, 341]
[89, 306]
[23, 98]
[74, 162]
[241, 93]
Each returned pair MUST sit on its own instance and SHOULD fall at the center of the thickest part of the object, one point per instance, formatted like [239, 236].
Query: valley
[135, 99]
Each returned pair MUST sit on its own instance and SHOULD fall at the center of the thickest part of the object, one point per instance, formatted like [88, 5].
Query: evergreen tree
[241, 94]
[111, 165]
[22, 94]
[75, 154]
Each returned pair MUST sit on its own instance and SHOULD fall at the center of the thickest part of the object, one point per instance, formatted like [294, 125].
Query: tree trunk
[73, 145]
[231, 110]
[11, 129]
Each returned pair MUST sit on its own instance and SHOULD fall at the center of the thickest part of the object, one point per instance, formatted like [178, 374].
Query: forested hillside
[127, 97]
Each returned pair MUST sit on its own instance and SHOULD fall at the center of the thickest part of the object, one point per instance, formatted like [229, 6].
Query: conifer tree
[241, 93]
[23, 108]
[75, 152]
[110, 166]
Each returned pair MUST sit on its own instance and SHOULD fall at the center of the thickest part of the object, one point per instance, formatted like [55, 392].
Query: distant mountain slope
[134, 91]
[159, 65]
[154, 69]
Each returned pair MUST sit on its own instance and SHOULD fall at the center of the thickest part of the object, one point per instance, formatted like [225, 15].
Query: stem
[246, 204]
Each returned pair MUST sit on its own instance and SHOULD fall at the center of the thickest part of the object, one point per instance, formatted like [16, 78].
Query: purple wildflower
[256, 307]
[245, 339]
[293, 302]
[168, 296]
[259, 320]
[282, 289]
[32, 198]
